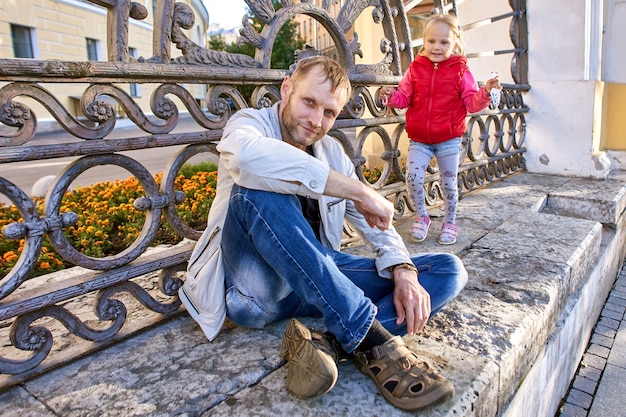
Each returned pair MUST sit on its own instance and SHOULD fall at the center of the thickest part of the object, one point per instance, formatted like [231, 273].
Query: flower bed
[108, 222]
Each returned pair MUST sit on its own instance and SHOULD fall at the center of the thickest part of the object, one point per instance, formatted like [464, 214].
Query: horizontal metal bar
[34, 296]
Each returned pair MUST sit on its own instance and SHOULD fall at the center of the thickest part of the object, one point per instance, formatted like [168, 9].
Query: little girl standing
[439, 90]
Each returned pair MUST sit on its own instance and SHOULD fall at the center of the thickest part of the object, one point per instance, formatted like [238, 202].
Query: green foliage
[283, 52]
[287, 42]
[189, 170]
[217, 43]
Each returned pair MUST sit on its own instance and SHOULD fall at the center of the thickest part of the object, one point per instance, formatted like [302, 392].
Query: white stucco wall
[565, 44]
[492, 37]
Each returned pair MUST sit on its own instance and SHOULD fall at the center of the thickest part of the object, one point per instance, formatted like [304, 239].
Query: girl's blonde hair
[451, 21]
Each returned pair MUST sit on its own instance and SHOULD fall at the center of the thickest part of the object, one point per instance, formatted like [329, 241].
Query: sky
[226, 15]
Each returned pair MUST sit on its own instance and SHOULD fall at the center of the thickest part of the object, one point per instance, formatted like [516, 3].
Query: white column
[565, 100]
[614, 68]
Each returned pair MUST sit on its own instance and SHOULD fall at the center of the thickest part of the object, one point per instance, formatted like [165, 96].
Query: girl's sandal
[404, 380]
[448, 234]
[420, 229]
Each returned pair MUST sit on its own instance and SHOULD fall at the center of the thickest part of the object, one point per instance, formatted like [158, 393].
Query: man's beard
[289, 127]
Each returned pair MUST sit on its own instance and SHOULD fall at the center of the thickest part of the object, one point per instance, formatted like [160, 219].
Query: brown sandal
[311, 361]
[404, 380]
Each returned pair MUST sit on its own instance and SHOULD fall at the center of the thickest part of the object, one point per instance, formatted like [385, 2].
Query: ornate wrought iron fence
[33, 311]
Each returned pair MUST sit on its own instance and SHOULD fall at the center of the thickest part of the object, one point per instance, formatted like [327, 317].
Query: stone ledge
[507, 341]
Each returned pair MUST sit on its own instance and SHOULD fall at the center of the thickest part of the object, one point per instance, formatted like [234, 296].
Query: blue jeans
[449, 147]
[275, 268]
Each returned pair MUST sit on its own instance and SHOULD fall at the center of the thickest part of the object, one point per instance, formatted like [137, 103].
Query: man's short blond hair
[330, 67]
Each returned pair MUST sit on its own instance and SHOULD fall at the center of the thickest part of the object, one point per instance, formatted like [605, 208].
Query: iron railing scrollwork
[494, 149]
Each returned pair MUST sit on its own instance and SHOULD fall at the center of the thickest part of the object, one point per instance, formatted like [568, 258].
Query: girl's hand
[385, 92]
[493, 88]
[492, 83]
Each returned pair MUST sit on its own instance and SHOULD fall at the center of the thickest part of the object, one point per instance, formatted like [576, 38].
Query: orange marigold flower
[10, 256]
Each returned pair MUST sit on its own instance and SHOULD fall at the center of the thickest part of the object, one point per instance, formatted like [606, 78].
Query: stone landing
[542, 253]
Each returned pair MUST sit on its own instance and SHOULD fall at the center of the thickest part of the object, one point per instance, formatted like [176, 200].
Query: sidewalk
[599, 387]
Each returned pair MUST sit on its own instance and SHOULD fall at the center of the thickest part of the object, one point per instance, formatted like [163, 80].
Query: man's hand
[411, 300]
[376, 209]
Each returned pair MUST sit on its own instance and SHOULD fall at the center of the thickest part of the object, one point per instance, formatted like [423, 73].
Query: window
[135, 91]
[22, 41]
[93, 49]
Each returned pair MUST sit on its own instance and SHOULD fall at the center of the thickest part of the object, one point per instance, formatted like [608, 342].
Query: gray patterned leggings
[417, 165]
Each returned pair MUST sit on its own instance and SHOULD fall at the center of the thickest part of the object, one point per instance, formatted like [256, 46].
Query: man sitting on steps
[271, 249]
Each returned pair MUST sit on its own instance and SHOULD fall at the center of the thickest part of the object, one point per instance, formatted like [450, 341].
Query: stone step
[604, 202]
[509, 342]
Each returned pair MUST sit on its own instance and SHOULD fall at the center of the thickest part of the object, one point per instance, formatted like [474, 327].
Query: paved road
[598, 387]
[25, 174]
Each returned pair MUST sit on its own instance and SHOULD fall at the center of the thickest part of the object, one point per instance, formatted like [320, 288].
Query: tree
[217, 43]
[287, 42]
[283, 52]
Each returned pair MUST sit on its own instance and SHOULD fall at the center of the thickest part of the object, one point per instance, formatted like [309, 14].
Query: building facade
[76, 30]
